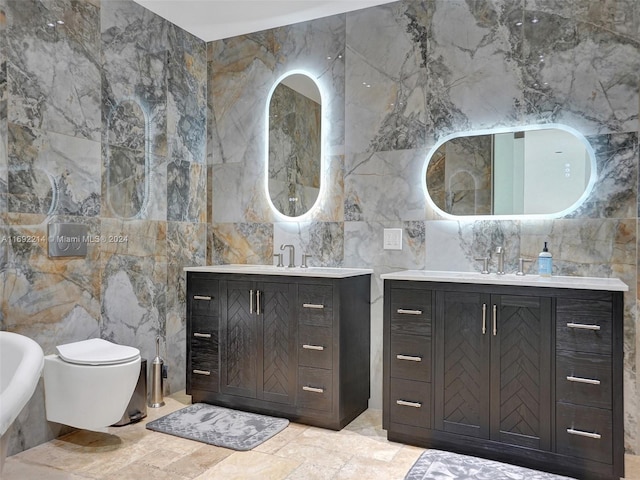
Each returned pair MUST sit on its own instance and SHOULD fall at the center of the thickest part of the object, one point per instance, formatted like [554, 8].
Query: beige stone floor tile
[315, 454]
[16, 469]
[369, 468]
[632, 467]
[251, 465]
[199, 461]
[311, 471]
[138, 471]
[275, 443]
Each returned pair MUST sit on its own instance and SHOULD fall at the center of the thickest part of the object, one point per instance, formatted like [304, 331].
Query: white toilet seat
[96, 351]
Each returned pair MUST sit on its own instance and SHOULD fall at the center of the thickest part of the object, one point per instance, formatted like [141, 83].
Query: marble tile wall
[403, 75]
[102, 122]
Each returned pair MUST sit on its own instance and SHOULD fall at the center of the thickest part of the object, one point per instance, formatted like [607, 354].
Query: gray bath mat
[436, 464]
[219, 426]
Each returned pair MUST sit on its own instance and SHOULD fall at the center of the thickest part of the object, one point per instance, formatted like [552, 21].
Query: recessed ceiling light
[518, 24]
[534, 20]
[51, 24]
[59, 22]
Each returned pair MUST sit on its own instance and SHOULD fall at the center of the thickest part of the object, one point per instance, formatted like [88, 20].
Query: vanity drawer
[411, 357]
[315, 347]
[411, 312]
[314, 389]
[315, 305]
[203, 296]
[584, 379]
[584, 432]
[409, 403]
[583, 325]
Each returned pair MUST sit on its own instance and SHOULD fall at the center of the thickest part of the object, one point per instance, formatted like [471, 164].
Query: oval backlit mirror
[541, 170]
[294, 163]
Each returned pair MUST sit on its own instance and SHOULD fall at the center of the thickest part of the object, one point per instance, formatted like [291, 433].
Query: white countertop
[325, 272]
[585, 283]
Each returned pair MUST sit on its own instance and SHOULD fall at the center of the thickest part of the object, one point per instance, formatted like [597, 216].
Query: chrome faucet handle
[485, 264]
[521, 262]
[305, 256]
[279, 256]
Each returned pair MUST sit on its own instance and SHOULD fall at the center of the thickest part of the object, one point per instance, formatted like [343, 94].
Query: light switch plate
[392, 239]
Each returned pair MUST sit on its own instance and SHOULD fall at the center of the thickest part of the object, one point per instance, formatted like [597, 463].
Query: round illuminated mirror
[538, 170]
[294, 144]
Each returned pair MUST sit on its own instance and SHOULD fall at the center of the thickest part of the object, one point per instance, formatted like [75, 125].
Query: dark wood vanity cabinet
[296, 347]
[525, 375]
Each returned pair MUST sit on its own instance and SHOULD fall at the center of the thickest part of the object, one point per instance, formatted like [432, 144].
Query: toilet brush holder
[157, 399]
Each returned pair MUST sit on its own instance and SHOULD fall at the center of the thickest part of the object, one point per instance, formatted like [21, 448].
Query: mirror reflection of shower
[522, 172]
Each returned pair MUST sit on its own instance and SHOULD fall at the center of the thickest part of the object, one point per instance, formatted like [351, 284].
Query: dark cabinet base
[500, 452]
[308, 417]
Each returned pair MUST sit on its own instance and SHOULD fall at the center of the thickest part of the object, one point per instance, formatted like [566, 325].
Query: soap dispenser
[545, 262]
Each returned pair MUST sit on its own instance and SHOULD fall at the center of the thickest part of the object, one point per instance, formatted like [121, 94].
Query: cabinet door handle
[404, 311]
[590, 381]
[258, 292]
[484, 318]
[306, 388]
[306, 346]
[411, 358]
[581, 433]
[202, 335]
[582, 326]
[313, 305]
[495, 320]
[251, 302]
[404, 403]
[201, 297]
[201, 372]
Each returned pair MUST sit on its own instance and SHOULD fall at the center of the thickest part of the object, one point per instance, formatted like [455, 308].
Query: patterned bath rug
[219, 426]
[436, 464]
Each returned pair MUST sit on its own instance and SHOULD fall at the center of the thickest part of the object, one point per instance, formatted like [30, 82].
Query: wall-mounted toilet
[88, 384]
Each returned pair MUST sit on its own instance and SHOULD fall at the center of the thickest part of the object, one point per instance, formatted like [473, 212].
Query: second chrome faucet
[292, 254]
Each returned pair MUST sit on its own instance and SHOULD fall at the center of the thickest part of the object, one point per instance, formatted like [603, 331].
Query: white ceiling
[216, 19]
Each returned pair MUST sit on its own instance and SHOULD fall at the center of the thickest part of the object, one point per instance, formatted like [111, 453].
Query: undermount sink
[242, 268]
[591, 283]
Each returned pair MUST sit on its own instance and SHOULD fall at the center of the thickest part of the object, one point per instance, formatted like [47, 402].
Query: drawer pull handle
[313, 305]
[202, 372]
[590, 381]
[582, 326]
[404, 403]
[411, 358]
[580, 433]
[404, 311]
[201, 297]
[202, 335]
[306, 388]
[313, 347]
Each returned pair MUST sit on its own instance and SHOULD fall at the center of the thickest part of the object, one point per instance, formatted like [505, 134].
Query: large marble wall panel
[386, 78]
[134, 67]
[572, 65]
[473, 59]
[186, 127]
[51, 173]
[3, 113]
[54, 72]
[385, 186]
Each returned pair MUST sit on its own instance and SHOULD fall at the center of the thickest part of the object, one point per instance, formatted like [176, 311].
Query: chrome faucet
[500, 252]
[292, 254]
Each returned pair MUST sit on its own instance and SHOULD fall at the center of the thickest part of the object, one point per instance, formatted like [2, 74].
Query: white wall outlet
[392, 239]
